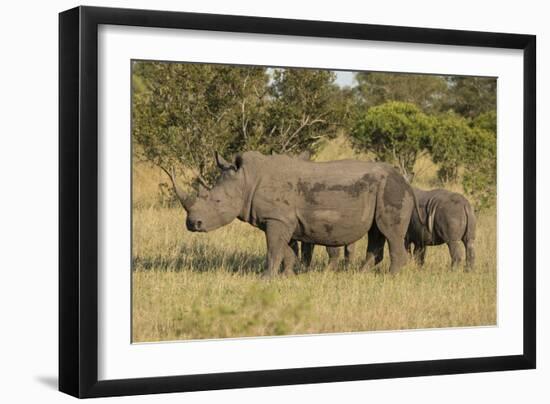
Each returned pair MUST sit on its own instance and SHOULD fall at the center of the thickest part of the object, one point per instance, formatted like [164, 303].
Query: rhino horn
[185, 200]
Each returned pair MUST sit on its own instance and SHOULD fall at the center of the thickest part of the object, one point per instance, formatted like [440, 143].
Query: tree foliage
[448, 145]
[480, 168]
[425, 91]
[471, 96]
[185, 112]
[395, 132]
[300, 111]
[459, 142]
[486, 121]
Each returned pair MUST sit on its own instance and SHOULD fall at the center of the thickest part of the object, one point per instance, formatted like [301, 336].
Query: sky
[344, 78]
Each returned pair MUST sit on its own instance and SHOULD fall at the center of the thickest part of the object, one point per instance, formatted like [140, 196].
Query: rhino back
[328, 203]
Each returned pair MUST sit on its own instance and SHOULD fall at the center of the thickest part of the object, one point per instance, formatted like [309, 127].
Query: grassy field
[191, 286]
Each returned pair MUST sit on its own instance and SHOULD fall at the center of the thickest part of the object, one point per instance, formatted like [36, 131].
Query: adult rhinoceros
[330, 203]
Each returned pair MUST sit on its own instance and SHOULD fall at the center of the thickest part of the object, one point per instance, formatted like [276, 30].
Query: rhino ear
[223, 164]
[238, 161]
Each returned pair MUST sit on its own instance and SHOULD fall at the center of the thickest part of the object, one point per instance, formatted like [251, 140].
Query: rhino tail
[470, 233]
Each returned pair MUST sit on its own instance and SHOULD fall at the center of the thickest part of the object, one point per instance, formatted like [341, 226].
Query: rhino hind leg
[349, 252]
[393, 226]
[375, 249]
[333, 255]
[394, 206]
[455, 249]
[398, 255]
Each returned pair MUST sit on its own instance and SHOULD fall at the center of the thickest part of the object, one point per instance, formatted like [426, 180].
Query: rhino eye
[217, 200]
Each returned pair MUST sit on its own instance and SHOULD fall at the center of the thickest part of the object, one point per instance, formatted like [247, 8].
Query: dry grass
[191, 286]
[188, 285]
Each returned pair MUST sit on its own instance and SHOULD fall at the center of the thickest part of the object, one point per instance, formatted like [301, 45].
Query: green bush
[480, 169]
[396, 132]
[448, 145]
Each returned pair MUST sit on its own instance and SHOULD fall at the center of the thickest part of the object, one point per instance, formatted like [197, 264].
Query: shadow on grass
[202, 258]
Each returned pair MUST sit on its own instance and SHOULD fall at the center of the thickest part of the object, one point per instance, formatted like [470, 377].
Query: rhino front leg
[277, 238]
[333, 255]
[288, 261]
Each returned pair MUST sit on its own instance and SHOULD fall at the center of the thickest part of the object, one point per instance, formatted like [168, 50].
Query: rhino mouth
[197, 230]
[195, 226]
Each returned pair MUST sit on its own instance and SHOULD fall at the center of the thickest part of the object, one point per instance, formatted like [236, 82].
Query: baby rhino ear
[223, 164]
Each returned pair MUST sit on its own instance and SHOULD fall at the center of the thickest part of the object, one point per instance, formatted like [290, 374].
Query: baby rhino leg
[457, 256]
[307, 253]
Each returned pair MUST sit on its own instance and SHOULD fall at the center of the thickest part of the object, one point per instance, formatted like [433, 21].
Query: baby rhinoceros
[449, 219]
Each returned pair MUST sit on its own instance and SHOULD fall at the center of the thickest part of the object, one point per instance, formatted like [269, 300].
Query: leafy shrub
[396, 132]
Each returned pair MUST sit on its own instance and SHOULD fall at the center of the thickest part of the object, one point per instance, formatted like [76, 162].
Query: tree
[458, 142]
[480, 169]
[183, 113]
[395, 132]
[426, 91]
[345, 107]
[471, 96]
[486, 121]
[300, 112]
[448, 145]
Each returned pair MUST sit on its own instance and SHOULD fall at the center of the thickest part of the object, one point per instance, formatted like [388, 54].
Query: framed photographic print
[251, 201]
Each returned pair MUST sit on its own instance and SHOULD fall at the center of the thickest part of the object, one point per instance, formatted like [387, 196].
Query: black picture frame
[78, 201]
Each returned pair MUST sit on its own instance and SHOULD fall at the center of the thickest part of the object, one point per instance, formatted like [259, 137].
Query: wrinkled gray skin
[330, 203]
[449, 219]
[305, 252]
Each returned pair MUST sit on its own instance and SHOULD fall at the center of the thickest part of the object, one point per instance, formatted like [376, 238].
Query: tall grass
[191, 286]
